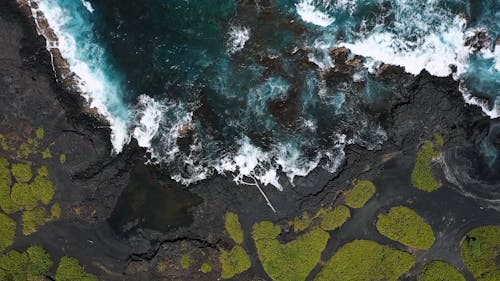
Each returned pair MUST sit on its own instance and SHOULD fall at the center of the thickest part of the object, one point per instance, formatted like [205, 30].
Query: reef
[71, 209]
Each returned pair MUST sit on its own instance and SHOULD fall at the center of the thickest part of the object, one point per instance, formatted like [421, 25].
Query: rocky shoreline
[120, 230]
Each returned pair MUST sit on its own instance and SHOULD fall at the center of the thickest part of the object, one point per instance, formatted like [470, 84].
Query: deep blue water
[240, 86]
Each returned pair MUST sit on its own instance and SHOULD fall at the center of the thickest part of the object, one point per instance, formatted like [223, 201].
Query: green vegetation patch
[32, 265]
[46, 154]
[22, 172]
[233, 227]
[43, 189]
[357, 196]
[206, 268]
[62, 158]
[69, 269]
[6, 203]
[185, 261]
[22, 197]
[40, 133]
[422, 177]
[404, 225]
[440, 271]
[301, 223]
[333, 218]
[363, 260]
[292, 261]
[234, 262]
[34, 219]
[7, 231]
[481, 252]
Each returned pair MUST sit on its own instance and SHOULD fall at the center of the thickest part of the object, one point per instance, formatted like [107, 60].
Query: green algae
[481, 252]
[333, 218]
[69, 269]
[292, 261]
[421, 176]
[357, 196]
[440, 271]
[404, 225]
[22, 172]
[206, 268]
[7, 231]
[363, 260]
[234, 262]
[185, 261]
[233, 227]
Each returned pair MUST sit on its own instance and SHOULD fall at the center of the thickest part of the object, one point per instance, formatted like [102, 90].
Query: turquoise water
[240, 87]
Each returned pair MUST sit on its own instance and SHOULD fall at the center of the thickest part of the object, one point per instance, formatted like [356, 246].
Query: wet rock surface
[116, 227]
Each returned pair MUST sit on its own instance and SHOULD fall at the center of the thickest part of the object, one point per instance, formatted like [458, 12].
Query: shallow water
[240, 87]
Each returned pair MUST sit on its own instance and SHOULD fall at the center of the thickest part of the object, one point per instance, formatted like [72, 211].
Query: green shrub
[357, 196]
[23, 198]
[234, 262]
[22, 172]
[404, 225]
[233, 227]
[40, 133]
[302, 223]
[14, 266]
[440, 271]
[7, 231]
[333, 218]
[35, 218]
[69, 269]
[39, 263]
[43, 189]
[363, 260]
[422, 177]
[481, 252]
[43, 171]
[185, 261]
[293, 260]
[206, 268]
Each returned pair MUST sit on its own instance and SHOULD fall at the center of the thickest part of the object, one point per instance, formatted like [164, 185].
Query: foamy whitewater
[209, 89]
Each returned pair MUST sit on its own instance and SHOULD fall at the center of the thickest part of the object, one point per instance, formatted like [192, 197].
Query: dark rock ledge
[90, 184]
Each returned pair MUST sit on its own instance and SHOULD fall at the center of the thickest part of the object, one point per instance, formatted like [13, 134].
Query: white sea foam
[309, 13]
[98, 90]
[238, 36]
[149, 115]
[88, 6]
[435, 53]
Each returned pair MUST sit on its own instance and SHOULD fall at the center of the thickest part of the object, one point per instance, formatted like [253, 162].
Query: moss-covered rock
[357, 196]
[233, 227]
[421, 176]
[440, 271]
[333, 217]
[234, 262]
[404, 225]
[7, 231]
[22, 172]
[69, 269]
[363, 260]
[481, 252]
[22, 197]
[292, 261]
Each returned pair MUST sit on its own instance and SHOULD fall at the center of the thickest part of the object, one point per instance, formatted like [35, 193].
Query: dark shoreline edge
[433, 104]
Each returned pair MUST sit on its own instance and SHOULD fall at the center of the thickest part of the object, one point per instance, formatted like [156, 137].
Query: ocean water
[242, 87]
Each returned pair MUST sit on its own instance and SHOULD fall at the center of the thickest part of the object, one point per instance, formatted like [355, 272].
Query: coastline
[92, 180]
